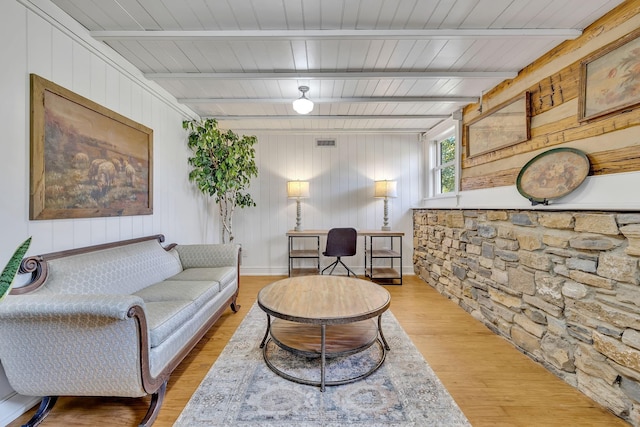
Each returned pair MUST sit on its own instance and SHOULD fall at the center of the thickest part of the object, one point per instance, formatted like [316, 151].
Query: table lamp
[298, 190]
[385, 189]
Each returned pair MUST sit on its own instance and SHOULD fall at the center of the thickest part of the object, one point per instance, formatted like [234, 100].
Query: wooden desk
[379, 246]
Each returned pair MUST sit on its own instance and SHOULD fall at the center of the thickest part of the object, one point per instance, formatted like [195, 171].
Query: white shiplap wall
[42, 41]
[341, 192]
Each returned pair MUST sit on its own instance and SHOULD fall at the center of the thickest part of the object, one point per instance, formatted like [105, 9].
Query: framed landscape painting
[610, 79]
[86, 160]
[502, 126]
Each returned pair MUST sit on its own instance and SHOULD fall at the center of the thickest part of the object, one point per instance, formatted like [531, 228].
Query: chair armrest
[208, 255]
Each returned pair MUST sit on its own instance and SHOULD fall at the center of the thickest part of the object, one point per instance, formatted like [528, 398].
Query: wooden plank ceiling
[371, 65]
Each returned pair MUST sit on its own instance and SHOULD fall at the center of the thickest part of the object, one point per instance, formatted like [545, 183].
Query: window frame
[432, 143]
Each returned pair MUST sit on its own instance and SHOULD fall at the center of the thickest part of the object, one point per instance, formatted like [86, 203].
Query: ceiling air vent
[325, 142]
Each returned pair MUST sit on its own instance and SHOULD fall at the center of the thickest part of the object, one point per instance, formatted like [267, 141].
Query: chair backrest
[341, 242]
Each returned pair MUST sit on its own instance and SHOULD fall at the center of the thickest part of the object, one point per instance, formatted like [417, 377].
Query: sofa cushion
[120, 270]
[169, 304]
[223, 275]
[204, 255]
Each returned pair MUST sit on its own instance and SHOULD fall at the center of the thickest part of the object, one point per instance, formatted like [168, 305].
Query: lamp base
[297, 228]
[386, 228]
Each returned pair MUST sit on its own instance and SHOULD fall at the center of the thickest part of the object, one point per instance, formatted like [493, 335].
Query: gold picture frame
[505, 125]
[610, 79]
[86, 160]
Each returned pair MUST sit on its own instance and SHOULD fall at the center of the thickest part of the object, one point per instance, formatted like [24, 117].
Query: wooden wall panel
[554, 112]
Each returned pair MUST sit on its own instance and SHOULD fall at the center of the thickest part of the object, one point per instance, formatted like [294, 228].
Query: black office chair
[340, 242]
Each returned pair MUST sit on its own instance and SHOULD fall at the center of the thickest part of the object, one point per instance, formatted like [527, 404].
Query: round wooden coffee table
[324, 316]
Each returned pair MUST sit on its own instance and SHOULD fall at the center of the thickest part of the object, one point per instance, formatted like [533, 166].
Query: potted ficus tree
[10, 270]
[223, 164]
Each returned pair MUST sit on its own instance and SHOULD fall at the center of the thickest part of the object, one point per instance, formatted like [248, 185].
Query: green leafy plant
[223, 164]
[10, 270]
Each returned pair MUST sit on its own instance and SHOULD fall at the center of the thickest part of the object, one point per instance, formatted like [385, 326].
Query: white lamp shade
[303, 105]
[385, 188]
[298, 189]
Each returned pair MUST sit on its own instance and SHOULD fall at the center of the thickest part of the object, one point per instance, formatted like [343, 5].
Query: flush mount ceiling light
[303, 105]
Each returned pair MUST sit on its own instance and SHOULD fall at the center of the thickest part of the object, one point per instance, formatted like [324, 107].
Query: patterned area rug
[240, 390]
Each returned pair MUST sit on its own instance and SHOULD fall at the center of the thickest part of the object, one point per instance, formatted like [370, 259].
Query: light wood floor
[494, 384]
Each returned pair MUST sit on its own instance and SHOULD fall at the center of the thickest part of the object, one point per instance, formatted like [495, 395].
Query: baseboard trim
[14, 405]
[267, 271]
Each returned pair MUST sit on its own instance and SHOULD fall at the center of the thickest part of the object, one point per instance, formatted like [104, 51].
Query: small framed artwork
[505, 125]
[86, 160]
[610, 79]
[552, 175]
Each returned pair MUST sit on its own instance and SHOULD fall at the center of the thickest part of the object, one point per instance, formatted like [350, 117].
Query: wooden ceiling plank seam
[485, 11]
[343, 55]
[387, 13]
[384, 55]
[497, 52]
[184, 15]
[205, 17]
[413, 55]
[330, 13]
[212, 58]
[223, 15]
[431, 51]
[358, 53]
[466, 60]
[222, 57]
[139, 56]
[328, 56]
[173, 52]
[108, 14]
[243, 55]
[267, 16]
[439, 13]
[451, 51]
[602, 10]
[458, 13]
[369, 14]
[399, 54]
[299, 55]
[511, 11]
[293, 14]
[140, 14]
[312, 13]
[160, 14]
[279, 54]
[406, 14]
[79, 14]
[244, 14]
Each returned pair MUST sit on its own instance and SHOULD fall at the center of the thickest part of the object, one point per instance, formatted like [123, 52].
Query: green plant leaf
[9, 272]
[223, 164]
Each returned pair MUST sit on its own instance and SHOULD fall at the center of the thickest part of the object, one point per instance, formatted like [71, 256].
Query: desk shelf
[304, 257]
[383, 258]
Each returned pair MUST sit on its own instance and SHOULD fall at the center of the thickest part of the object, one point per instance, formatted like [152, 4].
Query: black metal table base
[380, 341]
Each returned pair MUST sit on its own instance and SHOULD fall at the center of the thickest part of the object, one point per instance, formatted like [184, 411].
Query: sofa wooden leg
[46, 404]
[235, 307]
[154, 407]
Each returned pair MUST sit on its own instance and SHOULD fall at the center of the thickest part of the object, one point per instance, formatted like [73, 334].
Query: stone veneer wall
[563, 287]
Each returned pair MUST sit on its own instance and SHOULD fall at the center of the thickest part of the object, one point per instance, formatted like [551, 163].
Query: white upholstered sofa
[113, 319]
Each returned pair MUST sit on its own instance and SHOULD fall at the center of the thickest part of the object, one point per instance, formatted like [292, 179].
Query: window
[444, 170]
[441, 145]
